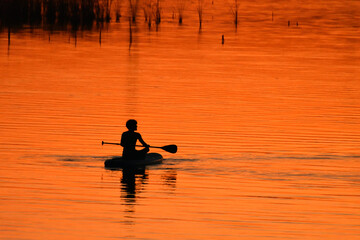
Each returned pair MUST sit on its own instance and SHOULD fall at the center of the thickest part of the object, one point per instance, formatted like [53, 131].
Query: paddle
[167, 148]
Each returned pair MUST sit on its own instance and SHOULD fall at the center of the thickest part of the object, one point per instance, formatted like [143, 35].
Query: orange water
[267, 126]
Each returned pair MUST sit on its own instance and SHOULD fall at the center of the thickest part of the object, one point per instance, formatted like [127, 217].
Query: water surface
[267, 126]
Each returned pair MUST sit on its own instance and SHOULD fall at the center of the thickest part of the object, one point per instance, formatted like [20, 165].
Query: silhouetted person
[128, 142]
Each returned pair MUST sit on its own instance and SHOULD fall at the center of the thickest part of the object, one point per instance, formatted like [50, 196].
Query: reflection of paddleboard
[118, 162]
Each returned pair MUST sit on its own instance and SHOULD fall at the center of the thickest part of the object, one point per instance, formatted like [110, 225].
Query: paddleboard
[118, 162]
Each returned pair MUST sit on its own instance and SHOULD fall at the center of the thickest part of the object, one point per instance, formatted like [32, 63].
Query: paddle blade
[170, 148]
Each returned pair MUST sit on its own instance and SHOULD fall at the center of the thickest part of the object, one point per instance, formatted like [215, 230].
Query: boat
[119, 162]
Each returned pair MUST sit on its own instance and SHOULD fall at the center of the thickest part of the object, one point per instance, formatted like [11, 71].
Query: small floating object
[222, 39]
[119, 162]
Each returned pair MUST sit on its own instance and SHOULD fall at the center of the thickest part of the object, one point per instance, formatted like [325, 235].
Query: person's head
[131, 124]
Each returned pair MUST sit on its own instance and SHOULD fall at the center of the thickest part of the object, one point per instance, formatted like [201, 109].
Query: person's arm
[142, 141]
[122, 142]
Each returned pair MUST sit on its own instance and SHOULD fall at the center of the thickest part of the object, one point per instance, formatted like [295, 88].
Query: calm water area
[267, 125]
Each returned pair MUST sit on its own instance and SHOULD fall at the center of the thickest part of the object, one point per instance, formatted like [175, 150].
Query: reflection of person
[131, 178]
[128, 142]
[133, 181]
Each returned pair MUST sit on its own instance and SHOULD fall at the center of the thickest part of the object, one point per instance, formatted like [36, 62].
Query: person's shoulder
[127, 133]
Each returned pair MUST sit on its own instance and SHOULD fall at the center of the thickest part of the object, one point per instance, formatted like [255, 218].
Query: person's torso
[129, 139]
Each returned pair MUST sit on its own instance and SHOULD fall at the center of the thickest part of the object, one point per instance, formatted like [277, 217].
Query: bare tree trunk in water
[236, 10]
[9, 33]
[199, 9]
[130, 31]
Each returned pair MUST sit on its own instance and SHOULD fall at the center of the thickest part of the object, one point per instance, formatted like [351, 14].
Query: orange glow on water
[267, 126]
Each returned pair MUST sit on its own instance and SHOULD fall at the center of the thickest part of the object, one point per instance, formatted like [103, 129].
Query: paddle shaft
[120, 144]
[167, 148]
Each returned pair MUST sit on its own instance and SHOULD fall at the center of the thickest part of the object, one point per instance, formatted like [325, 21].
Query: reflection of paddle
[168, 148]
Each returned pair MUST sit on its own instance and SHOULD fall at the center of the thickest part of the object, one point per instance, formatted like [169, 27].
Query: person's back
[128, 142]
